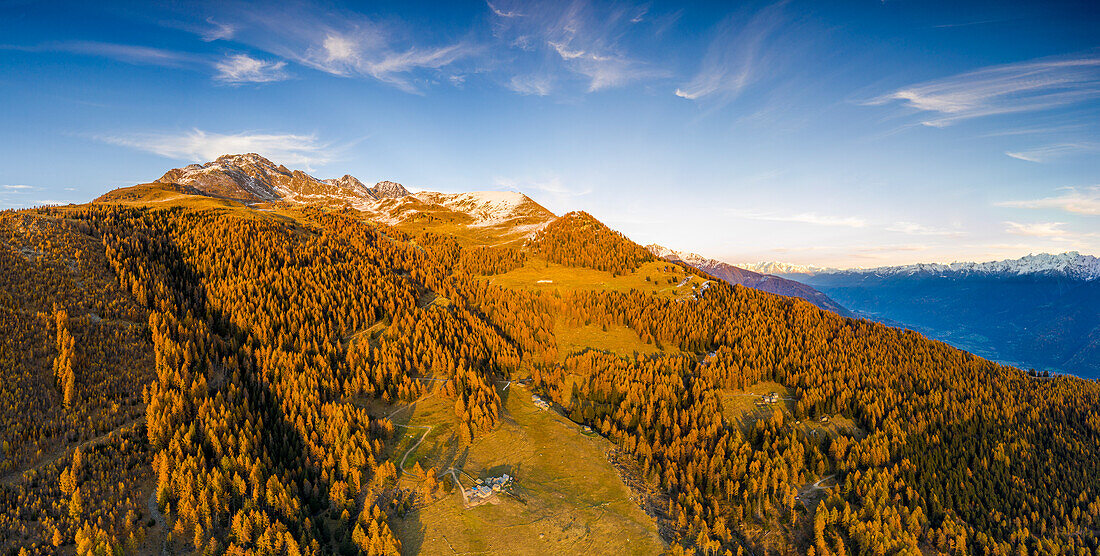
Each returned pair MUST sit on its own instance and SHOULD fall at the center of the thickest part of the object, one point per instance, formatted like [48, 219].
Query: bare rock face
[251, 178]
[388, 190]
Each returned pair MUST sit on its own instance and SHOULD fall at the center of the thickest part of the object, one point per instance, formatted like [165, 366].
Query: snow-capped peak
[1072, 264]
[693, 259]
[774, 267]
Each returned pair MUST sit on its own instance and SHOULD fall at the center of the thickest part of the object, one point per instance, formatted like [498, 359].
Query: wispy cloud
[738, 55]
[1050, 152]
[197, 146]
[1030, 86]
[1076, 200]
[1048, 230]
[234, 68]
[18, 196]
[349, 44]
[242, 68]
[915, 229]
[501, 13]
[217, 31]
[971, 23]
[804, 218]
[131, 54]
[586, 39]
[539, 85]
[603, 70]
[358, 54]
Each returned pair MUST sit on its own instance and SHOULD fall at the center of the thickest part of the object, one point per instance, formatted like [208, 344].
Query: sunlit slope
[478, 218]
[485, 219]
[567, 497]
[280, 342]
[75, 354]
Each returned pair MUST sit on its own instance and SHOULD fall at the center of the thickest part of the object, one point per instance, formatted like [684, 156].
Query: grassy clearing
[741, 406]
[537, 274]
[569, 499]
[616, 339]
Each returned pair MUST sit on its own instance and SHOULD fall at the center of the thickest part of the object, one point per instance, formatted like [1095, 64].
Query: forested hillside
[206, 379]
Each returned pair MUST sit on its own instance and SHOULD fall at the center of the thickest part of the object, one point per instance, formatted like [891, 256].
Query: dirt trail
[15, 475]
[154, 511]
[414, 446]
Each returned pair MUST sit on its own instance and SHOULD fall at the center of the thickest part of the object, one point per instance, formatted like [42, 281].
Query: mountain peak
[245, 158]
[389, 190]
[251, 178]
[694, 259]
[348, 181]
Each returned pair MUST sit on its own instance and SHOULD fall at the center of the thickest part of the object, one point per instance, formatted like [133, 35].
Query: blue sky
[829, 133]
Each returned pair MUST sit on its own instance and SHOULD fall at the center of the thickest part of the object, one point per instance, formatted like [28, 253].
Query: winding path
[414, 446]
[17, 474]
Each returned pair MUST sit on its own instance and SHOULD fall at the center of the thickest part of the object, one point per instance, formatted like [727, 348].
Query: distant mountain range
[750, 279]
[1040, 311]
[1071, 265]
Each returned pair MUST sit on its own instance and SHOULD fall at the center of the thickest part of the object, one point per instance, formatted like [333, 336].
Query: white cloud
[200, 146]
[130, 54]
[15, 187]
[1051, 152]
[236, 68]
[913, 228]
[1034, 85]
[741, 54]
[242, 68]
[603, 70]
[586, 39]
[217, 31]
[502, 13]
[1049, 230]
[805, 218]
[349, 44]
[1083, 200]
[365, 54]
[340, 49]
[539, 85]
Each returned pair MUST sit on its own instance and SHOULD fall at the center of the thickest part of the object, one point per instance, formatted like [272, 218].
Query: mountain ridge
[750, 279]
[1070, 263]
[253, 179]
